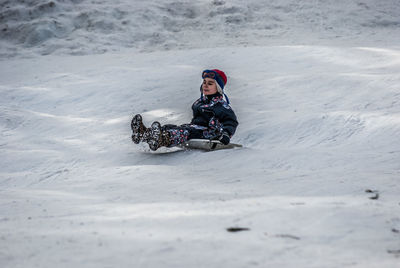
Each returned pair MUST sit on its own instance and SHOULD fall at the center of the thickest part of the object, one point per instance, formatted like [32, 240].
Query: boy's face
[209, 86]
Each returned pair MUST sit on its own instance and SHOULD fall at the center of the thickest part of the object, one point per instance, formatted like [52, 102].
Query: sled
[208, 145]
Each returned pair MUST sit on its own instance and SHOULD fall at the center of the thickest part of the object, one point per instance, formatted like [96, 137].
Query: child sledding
[213, 118]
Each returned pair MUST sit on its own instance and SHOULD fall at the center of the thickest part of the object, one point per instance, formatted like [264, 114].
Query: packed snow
[315, 86]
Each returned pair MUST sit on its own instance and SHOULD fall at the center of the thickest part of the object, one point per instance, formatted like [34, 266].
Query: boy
[213, 118]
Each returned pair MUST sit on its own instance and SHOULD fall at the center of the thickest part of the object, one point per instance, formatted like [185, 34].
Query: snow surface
[82, 27]
[315, 86]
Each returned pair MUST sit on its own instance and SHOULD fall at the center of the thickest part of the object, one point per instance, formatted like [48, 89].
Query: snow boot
[158, 136]
[139, 131]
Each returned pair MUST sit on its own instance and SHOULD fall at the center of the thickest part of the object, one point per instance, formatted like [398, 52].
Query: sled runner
[208, 145]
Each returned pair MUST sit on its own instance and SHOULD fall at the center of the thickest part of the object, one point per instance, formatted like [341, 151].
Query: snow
[315, 86]
[81, 27]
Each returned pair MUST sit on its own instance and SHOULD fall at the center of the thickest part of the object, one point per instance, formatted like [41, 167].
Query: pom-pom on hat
[220, 77]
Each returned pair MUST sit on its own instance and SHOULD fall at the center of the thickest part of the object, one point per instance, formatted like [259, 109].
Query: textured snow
[315, 86]
[81, 27]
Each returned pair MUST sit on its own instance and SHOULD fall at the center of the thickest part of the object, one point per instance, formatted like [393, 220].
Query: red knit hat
[222, 75]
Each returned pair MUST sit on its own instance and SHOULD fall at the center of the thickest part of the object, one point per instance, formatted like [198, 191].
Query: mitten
[224, 138]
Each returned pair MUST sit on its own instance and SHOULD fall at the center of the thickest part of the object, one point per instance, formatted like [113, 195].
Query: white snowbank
[83, 27]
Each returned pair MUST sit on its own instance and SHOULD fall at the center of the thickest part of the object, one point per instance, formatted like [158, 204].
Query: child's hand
[224, 138]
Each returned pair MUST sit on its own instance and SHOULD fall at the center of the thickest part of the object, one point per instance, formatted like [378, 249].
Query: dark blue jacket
[214, 106]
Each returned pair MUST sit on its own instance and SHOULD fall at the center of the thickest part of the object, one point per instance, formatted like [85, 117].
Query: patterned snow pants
[182, 133]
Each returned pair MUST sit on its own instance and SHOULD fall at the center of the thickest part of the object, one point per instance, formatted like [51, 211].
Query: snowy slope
[81, 27]
[319, 120]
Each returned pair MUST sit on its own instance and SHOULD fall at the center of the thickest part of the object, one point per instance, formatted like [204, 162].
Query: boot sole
[155, 136]
[136, 122]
